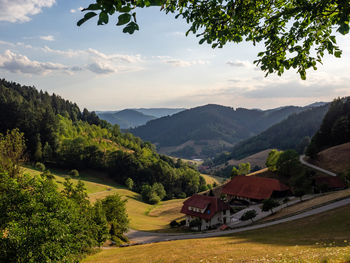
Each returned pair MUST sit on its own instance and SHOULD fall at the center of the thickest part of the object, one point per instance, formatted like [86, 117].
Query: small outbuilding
[254, 189]
[205, 212]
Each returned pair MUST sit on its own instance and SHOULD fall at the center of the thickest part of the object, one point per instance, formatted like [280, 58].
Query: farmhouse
[208, 211]
[254, 189]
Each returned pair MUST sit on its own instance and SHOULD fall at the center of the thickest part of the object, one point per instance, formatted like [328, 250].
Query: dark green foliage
[38, 224]
[101, 225]
[129, 183]
[40, 166]
[59, 134]
[335, 128]
[295, 34]
[34, 114]
[269, 204]
[288, 164]
[11, 152]
[249, 215]
[153, 194]
[74, 173]
[301, 184]
[271, 161]
[115, 210]
[288, 134]
[243, 169]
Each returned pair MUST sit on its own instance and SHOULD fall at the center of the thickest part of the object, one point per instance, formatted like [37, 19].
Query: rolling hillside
[131, 118]
[126, 118]
[142, 216]
[291, 133]
[335, 159]
[206, 130]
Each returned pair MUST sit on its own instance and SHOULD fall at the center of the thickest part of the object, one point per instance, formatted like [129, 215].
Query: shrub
[153, 198]
[269, 204]
[181, 195]
[74, 173]
[183, 222]
[40, 166]
[250, 214]
[48, 175]
[129, 183]
[173, 224]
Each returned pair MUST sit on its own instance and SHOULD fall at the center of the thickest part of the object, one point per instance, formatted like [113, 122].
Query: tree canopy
[296, 34]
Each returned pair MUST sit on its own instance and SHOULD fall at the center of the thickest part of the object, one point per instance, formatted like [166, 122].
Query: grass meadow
[319, 238]
[142, 216]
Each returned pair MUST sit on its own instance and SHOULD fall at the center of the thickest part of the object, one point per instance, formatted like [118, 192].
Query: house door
[224, 220]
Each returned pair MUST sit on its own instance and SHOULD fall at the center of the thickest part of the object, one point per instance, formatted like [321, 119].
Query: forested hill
[335, 127]
[292, 133]
[34, 113]
[57, 133]
[126, 118]
[208, 128]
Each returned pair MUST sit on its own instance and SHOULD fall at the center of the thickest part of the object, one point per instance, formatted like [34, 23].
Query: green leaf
[125, 9]
[337, 54]
[92, 7]
[123, 19]
[201, 41]
[130, 28]
[86, 17]
[103, 19]
[156, 2]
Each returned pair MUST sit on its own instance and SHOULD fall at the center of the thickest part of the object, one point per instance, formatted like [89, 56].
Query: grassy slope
[210, 179]
[323, 236]
[142, 216]
[336, 159]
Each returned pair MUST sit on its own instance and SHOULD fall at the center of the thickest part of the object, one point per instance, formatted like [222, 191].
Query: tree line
[57, 133]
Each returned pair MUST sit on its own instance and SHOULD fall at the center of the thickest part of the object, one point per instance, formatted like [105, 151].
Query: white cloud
[48, 38]
[17, 63]
[239, 63]
[76, 10]
[99, 67]
[21, 10]
[184, 63]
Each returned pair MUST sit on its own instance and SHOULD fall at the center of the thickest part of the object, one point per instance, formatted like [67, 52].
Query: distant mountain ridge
[131, 118]
[206, 130]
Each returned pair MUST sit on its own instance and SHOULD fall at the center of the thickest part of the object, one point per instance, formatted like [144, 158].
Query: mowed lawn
[313, 239]
[142, 216]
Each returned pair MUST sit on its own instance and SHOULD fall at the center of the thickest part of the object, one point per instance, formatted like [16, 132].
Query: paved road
[148, 237]
[301, 159]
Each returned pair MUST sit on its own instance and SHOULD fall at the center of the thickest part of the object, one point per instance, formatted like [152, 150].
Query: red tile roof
[253, 187]
[330, 181]
[211, 203]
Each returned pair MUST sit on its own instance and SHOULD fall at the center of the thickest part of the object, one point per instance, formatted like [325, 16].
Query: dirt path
[301, 159]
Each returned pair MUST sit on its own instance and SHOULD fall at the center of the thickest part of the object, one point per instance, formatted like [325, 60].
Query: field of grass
[142, 216]
[335, 159]
[313, 239]
[210, 179]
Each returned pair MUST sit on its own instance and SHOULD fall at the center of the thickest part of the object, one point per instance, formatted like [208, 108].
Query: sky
[101, 68]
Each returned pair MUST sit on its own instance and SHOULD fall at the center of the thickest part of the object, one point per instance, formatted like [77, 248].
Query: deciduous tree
[296, 34]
